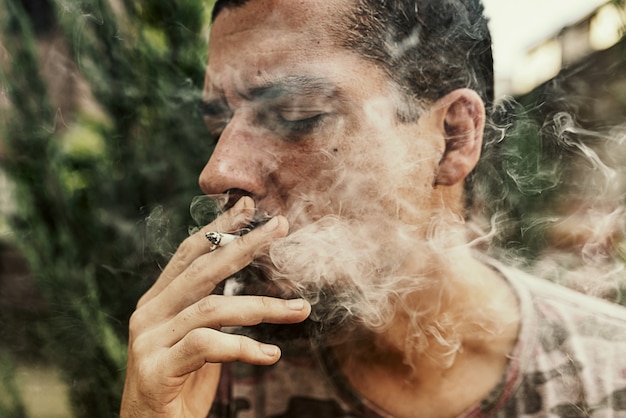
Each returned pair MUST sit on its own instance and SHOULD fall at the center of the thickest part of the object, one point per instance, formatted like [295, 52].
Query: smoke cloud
[556, 199]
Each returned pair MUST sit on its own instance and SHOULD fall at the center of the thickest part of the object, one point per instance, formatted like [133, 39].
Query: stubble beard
[352, 272]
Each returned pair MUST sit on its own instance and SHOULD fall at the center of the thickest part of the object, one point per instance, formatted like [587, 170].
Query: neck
[447, 346]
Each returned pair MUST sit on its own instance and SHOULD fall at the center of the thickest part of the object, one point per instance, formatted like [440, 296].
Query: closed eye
[302, 124]
[292, 123]
[216, 116]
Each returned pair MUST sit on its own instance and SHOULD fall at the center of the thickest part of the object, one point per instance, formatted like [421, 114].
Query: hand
[176, 346]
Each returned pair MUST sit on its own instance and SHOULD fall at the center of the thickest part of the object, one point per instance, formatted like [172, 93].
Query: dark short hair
[223, 4]
[427, 47]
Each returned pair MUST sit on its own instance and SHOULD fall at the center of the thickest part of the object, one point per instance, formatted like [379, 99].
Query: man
[346, 132]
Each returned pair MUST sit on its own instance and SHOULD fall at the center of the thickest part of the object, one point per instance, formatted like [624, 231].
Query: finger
[195, 245]
[216, 311]
[201, 277]
[206, 345]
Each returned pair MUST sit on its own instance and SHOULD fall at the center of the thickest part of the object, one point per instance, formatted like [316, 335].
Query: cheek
[303, 172]
[314, 164]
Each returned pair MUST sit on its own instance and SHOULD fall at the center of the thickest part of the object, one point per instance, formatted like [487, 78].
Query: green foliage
[518, 180]
[10, 400]
[86, 181]
[539, 169]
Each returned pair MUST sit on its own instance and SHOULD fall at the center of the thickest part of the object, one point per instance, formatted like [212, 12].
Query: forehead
[295, 15]
[269, 36]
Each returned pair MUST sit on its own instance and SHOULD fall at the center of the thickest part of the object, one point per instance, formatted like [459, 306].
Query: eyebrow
[295, 86]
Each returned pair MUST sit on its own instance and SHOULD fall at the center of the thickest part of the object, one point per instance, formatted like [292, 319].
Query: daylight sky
[517, 24]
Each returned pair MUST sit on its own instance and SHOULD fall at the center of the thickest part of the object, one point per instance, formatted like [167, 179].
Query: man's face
[304, 125]
[310, 131]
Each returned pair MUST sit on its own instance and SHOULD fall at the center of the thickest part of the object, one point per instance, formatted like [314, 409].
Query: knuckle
[142, 300]
[184, 254]
[246, 246]
[137, 323]
[241, 347]
[196, 340]
[185, 247]
[206, 306]
[194, 269]
[178, 264]
[266, 302]
[237, 218]
[137, 349]
[242, 242]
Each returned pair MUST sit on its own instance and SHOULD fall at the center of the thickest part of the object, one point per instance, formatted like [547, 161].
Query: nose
[237, 165]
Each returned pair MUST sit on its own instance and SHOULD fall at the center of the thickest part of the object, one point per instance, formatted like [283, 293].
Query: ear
[462, 122]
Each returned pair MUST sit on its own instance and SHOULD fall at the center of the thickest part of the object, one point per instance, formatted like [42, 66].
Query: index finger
[196, 245]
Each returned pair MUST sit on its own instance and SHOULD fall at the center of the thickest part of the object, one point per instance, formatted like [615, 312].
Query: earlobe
[462, 122]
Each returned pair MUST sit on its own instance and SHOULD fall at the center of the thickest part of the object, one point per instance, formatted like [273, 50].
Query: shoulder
[573, 349]
[556, 302]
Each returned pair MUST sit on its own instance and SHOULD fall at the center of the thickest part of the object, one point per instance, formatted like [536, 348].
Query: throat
[442, 364]
[425, 391]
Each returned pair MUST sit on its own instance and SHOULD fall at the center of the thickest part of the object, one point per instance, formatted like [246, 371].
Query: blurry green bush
[92, 161]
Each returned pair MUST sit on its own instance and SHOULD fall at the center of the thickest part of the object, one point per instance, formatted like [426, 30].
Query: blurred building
[580, 68]
[528, 54]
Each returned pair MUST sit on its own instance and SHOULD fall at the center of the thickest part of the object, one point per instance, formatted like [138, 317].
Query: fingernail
[269, 350]
[271, 224]
[295, 304]
[241, 204]
[246, 202]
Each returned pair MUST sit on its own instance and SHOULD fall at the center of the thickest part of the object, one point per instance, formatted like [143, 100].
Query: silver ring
[217, 239]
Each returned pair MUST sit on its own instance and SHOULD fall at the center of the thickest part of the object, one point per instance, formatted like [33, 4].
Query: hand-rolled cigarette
[219, 240]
